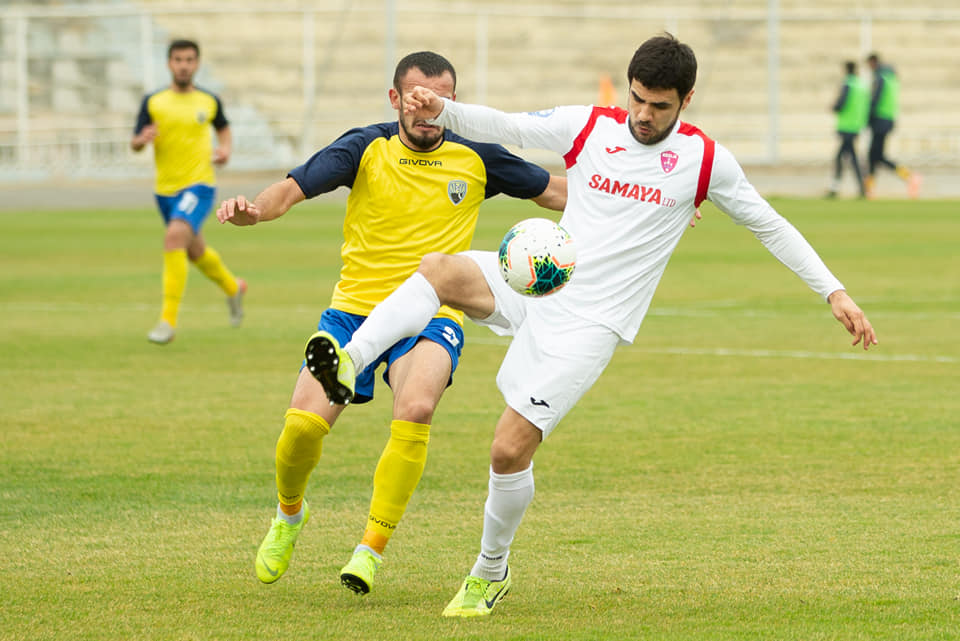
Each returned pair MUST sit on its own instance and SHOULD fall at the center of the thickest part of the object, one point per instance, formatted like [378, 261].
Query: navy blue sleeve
[838, 105]
[143, 118]
[507, 173]
[220, 120]
[336, 164]
[877, 89]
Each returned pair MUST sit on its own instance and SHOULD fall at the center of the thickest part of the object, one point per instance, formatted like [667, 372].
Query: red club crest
[668, 160]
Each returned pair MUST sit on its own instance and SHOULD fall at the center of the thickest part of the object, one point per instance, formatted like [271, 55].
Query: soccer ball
[537, 257]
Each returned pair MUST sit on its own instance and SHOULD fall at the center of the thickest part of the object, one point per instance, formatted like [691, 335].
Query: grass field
[740, 472]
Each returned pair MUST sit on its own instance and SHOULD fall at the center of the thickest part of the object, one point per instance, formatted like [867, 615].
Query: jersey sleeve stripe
[570, 158]
[706, 164]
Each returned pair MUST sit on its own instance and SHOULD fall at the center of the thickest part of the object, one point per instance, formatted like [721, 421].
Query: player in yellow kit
[177, 121]
[414, 189]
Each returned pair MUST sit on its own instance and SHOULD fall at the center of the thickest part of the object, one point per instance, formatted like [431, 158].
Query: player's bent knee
[507, 457]
[433, 268]
[458, 281]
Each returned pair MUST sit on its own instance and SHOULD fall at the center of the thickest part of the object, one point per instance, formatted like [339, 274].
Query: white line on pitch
[761, 353]
[708, 310]
[492, 340]
[770, 353]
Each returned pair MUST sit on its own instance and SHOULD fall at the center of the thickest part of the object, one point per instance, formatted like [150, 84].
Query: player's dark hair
[851, 67]
[663, 62]
[430, 63]
[874, 58]
[177, 45]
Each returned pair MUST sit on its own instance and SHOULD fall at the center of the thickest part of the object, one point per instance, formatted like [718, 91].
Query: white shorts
[554, 358]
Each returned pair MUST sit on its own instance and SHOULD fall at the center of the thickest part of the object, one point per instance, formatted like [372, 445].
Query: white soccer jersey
[628, 203]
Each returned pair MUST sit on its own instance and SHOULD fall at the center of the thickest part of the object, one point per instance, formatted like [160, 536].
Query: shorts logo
[450, 336]
[457, 191]
[668, 160]
[187, 203]
[539, 401]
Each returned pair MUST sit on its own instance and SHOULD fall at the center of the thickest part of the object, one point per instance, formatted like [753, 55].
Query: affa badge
[457, 191]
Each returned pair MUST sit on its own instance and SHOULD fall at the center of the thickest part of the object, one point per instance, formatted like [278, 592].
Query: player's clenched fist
[423, 100]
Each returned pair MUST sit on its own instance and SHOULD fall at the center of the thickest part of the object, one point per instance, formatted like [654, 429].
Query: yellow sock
[398, 473]
[298, 452]
[903, 172]
[214, 268]
[174, 284]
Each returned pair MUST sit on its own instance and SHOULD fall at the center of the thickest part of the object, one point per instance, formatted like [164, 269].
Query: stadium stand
[296, 75]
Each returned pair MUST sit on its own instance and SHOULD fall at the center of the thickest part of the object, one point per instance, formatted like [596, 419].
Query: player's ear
[686, 100]
[454, 96]
[394, 98]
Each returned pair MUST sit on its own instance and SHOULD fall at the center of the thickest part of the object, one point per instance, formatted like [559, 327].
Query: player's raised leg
[442, 279]
[331, 366]
[404, 313]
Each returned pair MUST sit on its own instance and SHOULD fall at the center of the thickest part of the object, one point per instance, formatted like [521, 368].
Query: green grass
[740, 472]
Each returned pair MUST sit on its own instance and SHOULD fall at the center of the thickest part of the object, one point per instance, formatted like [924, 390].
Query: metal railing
[50, 126]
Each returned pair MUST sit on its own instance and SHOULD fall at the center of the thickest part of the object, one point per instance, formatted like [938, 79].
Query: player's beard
[183, 82]
[655, 135]
[422, 141]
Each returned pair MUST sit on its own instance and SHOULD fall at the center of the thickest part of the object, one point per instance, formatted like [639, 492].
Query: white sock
[292, 519]
[509, 496]
[368, 549]
[402, 314]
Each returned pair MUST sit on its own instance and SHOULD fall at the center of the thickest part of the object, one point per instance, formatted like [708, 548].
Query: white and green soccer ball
[537, 257]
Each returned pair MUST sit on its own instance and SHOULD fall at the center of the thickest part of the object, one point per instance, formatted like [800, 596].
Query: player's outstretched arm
[422, 101]
[847, 312]
[555, 195]
[238, 211]
[273, 202]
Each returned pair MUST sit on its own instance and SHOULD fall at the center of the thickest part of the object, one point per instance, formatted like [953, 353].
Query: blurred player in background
[635, 177]
[414, 188]
[884, 109]
[177, 121]
[852, 108]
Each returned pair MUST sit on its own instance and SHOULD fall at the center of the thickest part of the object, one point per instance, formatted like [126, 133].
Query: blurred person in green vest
[852, 108]
[884, 109]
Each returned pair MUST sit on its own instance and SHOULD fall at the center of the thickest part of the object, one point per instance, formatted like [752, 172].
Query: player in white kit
[635, 179]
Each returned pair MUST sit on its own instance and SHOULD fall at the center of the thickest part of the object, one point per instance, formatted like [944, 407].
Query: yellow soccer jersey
[183, 148]
[405, 203]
